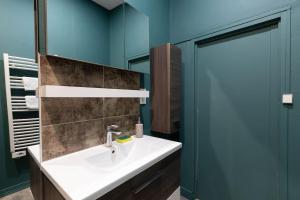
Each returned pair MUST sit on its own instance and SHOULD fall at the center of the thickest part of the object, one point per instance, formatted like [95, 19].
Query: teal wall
[136, 32]
[17, 38]
[192, 18]
[78, 29]
[117, 37]
[158, 13]
[84, 30]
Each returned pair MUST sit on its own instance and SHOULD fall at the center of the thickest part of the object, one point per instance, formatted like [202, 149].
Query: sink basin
[90, 173]
[113, 157]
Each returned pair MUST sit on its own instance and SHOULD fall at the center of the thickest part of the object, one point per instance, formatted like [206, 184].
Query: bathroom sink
[90, 173]
[112, 157]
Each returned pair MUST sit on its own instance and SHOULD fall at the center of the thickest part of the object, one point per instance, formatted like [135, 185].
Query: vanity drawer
[151, 189]
[122, 192]
[158, 182]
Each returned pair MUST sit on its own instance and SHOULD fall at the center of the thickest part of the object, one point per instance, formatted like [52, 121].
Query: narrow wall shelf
[88, 92]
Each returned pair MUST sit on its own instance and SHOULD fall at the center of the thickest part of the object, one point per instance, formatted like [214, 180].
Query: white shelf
[88, 92]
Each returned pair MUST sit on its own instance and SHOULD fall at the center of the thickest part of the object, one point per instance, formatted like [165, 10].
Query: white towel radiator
[24, 131]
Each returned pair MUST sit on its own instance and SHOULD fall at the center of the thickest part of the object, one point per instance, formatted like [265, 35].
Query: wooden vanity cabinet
[157, 182]
[35, 179]
[165, 88]
[41, 187]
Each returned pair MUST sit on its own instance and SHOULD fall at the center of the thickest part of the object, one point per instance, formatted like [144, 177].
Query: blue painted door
[239, 81]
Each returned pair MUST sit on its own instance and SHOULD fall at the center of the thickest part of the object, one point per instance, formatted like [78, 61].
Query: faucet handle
[111, 127]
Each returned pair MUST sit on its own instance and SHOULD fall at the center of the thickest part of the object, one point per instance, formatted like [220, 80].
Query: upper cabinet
[166, 89]
[111, 33]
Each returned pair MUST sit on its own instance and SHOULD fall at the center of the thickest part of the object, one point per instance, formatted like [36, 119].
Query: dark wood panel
[35, 179]
[121, 192]
[160, 94]
[157, 182]
[151, 189]
[49, 191]
[171, 175]
[165, 95]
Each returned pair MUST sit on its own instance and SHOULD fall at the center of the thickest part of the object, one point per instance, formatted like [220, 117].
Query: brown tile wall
[73, 124]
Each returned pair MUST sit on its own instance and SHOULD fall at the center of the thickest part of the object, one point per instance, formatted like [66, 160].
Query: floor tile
[21, 195]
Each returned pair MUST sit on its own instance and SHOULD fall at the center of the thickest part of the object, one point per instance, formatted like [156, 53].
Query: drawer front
[158, 182]
[151, 189]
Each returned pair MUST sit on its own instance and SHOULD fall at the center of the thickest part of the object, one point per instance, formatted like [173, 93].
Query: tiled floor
[21, 195]
[26, 195]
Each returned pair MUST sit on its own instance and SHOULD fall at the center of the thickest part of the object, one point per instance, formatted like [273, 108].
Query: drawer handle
[145, 185]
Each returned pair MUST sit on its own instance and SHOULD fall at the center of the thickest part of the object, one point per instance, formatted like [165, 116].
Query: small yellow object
[124, 139]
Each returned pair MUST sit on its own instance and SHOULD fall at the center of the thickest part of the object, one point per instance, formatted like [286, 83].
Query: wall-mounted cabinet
[165, 96]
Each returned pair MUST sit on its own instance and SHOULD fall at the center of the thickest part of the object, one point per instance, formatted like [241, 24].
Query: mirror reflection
[111, 33]
[87, 30]
[136, 39]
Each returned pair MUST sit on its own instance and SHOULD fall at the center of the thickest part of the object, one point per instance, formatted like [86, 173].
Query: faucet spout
[110, 132]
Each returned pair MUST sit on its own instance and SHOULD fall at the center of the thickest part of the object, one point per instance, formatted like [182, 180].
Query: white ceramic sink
[91, 173]
[109, 159]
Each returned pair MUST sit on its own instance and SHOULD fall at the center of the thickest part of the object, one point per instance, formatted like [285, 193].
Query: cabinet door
[165, 83]
[239, 84]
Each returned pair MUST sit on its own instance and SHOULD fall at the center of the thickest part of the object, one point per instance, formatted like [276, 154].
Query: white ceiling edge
[109, 4]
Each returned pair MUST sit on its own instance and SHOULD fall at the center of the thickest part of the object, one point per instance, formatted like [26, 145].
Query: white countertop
[34, 151]
[91, 173]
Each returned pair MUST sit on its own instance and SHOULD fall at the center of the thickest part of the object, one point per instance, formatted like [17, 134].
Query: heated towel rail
[23, 130]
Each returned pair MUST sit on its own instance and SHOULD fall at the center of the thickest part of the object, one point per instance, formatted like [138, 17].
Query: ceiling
[109, 4]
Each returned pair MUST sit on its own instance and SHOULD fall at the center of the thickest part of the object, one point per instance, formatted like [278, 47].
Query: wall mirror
[136, 39]
[111, 33]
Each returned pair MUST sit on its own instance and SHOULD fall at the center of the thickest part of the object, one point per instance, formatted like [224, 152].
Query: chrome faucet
[110, 131]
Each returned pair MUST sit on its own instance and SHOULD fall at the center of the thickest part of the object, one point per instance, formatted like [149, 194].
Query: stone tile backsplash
[65, 110]
[62, 139]
[73, 124]
[66, 72]
[120, 106]
[121, 79]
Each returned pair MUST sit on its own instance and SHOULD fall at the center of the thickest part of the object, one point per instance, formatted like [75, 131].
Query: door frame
[283, 16]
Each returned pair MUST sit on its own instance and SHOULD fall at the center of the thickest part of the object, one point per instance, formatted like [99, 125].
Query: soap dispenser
[139, 132]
